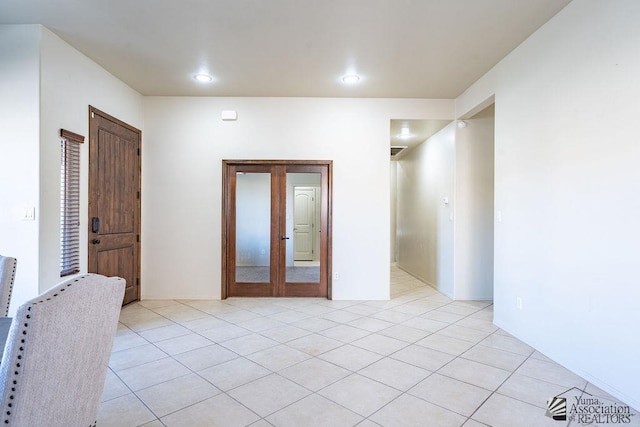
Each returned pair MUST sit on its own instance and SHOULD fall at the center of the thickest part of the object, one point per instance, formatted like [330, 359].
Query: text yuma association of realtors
[592, 410]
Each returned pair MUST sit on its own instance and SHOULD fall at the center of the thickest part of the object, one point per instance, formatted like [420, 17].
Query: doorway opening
[276, 228]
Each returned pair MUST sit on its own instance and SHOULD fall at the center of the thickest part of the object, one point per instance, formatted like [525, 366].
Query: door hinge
[138, 151]
[138, 195]
[137, 282]
[138, 238]
[93, 116]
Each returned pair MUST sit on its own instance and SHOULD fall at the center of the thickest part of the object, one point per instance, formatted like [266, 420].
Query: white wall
[185, 143]
[568, 187]
[393, 177]
[19, 153]
[473, 271]
[70, 82]
[425, 223]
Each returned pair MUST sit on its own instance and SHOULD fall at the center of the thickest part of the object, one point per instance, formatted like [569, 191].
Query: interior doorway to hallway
[276, 228]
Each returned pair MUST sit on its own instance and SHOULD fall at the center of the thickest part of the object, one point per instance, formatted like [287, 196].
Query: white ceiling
[401, 48]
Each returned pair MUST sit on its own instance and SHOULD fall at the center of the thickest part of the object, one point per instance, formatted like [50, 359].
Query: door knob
[284, 238]
[95, 241]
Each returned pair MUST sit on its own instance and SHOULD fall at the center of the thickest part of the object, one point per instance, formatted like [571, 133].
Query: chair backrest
[57, 353]
[7, 276]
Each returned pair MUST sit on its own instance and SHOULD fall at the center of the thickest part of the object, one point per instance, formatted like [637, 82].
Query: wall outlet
[28, 214]
[519, 303]
[336, 275]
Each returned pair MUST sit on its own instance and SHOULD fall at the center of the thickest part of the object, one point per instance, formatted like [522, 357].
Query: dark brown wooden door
[114, 200]
[258, 233]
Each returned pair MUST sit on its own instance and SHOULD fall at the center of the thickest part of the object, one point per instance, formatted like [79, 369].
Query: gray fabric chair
[57, 353]
[7, 276]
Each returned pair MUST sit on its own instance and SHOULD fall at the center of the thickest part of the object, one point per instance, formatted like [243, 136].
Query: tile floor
[419, 359]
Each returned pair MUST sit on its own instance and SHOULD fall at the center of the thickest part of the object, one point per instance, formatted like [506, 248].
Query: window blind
[69, 202]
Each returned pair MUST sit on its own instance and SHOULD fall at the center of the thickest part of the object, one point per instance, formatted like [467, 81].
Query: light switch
[29, 214]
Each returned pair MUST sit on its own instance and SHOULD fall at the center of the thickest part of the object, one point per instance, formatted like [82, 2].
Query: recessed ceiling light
[405, 133]
[351, 79]
[202, 77]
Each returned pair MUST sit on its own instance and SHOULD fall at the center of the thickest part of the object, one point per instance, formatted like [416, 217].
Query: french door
[264, 228]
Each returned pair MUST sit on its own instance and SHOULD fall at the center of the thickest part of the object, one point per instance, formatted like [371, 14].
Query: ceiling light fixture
[203, 78]
[351, 79]
[404, 133]
[462, 124]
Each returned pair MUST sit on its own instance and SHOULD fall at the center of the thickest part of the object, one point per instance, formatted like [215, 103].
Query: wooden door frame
[94, 111]
[227, 210]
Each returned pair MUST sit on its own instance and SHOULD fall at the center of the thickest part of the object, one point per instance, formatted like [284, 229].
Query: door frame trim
[226, 206]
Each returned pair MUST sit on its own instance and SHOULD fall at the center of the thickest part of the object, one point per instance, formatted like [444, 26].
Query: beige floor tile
[459, 309]
[269, 394]
[442, 316]
[285, 333]
[479, 324]
[345, 333]
[154, 423]
[508, 343]
[314, 344]
[404, 333]
[278, 357]
[395, 373]
[392, 316]
[152, 373]
[360, 394]
[368, 423]
[248, 344]
[494, 357]
[176, 394]
[314, 324]
[135, 356]
[314, 411]
[234, 373]
[260, 324]
[475, 373]
[411, 411]
[380, 344]
[290, 316]
[423, 357]
[238, 316]
[205, 357]
[126, 340]
[551, 372]
[350, 357]
[220, 410]
[530, 390]
[445, 344]
[467, 334]
[184, 343]
[204, 324]
[126, 410]
[425, 324]
[341, 316]
[113, 387]
[314, 373]
[540, 356]
[224, 333]
[473, 423]
[180, 313]
[363, 309]
[502, 411]
[451, 394]
[164, 333]
[370, 324]
[157, 303]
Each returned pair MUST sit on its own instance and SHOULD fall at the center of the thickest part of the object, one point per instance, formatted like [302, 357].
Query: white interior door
[304, 223]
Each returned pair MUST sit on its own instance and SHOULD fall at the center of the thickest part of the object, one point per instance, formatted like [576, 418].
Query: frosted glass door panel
[253, 227]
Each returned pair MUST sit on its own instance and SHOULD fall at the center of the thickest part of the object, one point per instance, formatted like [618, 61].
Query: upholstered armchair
[7, 276]
[56, 356]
